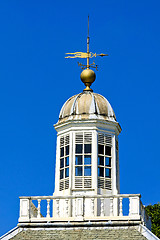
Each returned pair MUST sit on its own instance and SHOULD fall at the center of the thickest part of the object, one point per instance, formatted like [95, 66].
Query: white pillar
[114, 175]
[71, 168]
[39, 208]
[94, 161]
[120, 207]
[48, 208]
[134, 206]
[25, 208]
[102, 207]
[111, 206]
[57, 173]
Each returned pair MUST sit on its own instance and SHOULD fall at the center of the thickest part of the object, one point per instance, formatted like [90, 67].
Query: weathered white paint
[93, 127]
[147, 233]
[134, 207]
[88, 103]
[83, 208]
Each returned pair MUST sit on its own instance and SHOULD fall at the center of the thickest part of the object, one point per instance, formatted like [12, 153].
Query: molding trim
[90, 124]
[11, 233]
[147, 233]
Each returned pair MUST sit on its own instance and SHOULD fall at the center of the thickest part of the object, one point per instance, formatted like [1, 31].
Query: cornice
[90, 124]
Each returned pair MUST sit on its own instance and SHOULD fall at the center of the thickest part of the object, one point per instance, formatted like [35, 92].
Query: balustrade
[81, 207]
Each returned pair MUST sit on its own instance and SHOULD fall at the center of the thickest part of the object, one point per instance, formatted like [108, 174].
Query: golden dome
[88, 76]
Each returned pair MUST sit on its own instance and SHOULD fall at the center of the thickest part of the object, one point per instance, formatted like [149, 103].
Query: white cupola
[87, 146]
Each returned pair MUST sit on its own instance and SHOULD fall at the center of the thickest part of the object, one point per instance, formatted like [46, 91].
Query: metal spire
[88, 45]
[87, 55]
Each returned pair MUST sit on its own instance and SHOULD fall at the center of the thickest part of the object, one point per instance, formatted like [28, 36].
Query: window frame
[64, 157]
[83, 154]
[103, 155]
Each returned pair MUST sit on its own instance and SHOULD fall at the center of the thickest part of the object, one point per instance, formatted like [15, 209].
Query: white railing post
[102, 207]
[57, 207]
[92, 206]
[25, 208]
[111, 206]
[129, 206]
[120, 207]
[39, 208]
[79, 207]
[67, 207]
[134, 205]
[48, 208]
[75, 207]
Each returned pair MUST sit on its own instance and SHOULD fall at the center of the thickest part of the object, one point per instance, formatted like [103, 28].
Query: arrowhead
[102, 54]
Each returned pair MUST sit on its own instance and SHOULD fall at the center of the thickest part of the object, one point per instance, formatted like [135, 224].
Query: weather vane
[87, 55]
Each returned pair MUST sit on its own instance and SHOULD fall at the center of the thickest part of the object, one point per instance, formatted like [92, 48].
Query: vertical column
[67, 207]
[94, 161]
[111, 206]
[120, 207]
[48, 208]
[79, 206]
[75, 206]
[25, 208]
[71, 160]
[39, 208]
[57, 207]
[57, 172]
[134, 206]
[94, 168]
[114, 192]
[117, 166]
[114, 175]
[102, 207]
[72, 176]
[92, 206]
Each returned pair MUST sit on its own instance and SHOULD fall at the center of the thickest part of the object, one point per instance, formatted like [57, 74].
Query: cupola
[87, 161]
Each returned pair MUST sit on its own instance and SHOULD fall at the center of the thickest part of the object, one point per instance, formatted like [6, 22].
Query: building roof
[114, 233]
[87, 105]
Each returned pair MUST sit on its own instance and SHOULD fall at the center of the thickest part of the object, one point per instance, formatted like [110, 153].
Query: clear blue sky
[36, 80]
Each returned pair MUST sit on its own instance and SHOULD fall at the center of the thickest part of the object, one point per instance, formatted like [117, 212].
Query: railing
[146, 220]
[81, 208]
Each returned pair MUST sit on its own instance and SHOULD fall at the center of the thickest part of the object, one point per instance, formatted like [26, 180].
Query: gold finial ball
[88, 76]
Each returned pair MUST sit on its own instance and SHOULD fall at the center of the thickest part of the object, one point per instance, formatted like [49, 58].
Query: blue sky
[36, 80]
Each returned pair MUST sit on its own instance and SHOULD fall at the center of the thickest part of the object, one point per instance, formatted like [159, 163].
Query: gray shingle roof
[129, 233]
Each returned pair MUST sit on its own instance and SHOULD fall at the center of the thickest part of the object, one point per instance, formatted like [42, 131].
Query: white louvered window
[104, 161]
[83, 160]
[64, 162]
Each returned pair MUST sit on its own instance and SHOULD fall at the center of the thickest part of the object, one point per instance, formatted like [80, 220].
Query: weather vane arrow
[87, 55]
[84, 55]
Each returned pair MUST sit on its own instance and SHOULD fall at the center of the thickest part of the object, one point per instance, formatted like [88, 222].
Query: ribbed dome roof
[87, 105]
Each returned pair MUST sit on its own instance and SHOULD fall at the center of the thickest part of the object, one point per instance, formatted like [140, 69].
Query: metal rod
[88, 45]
